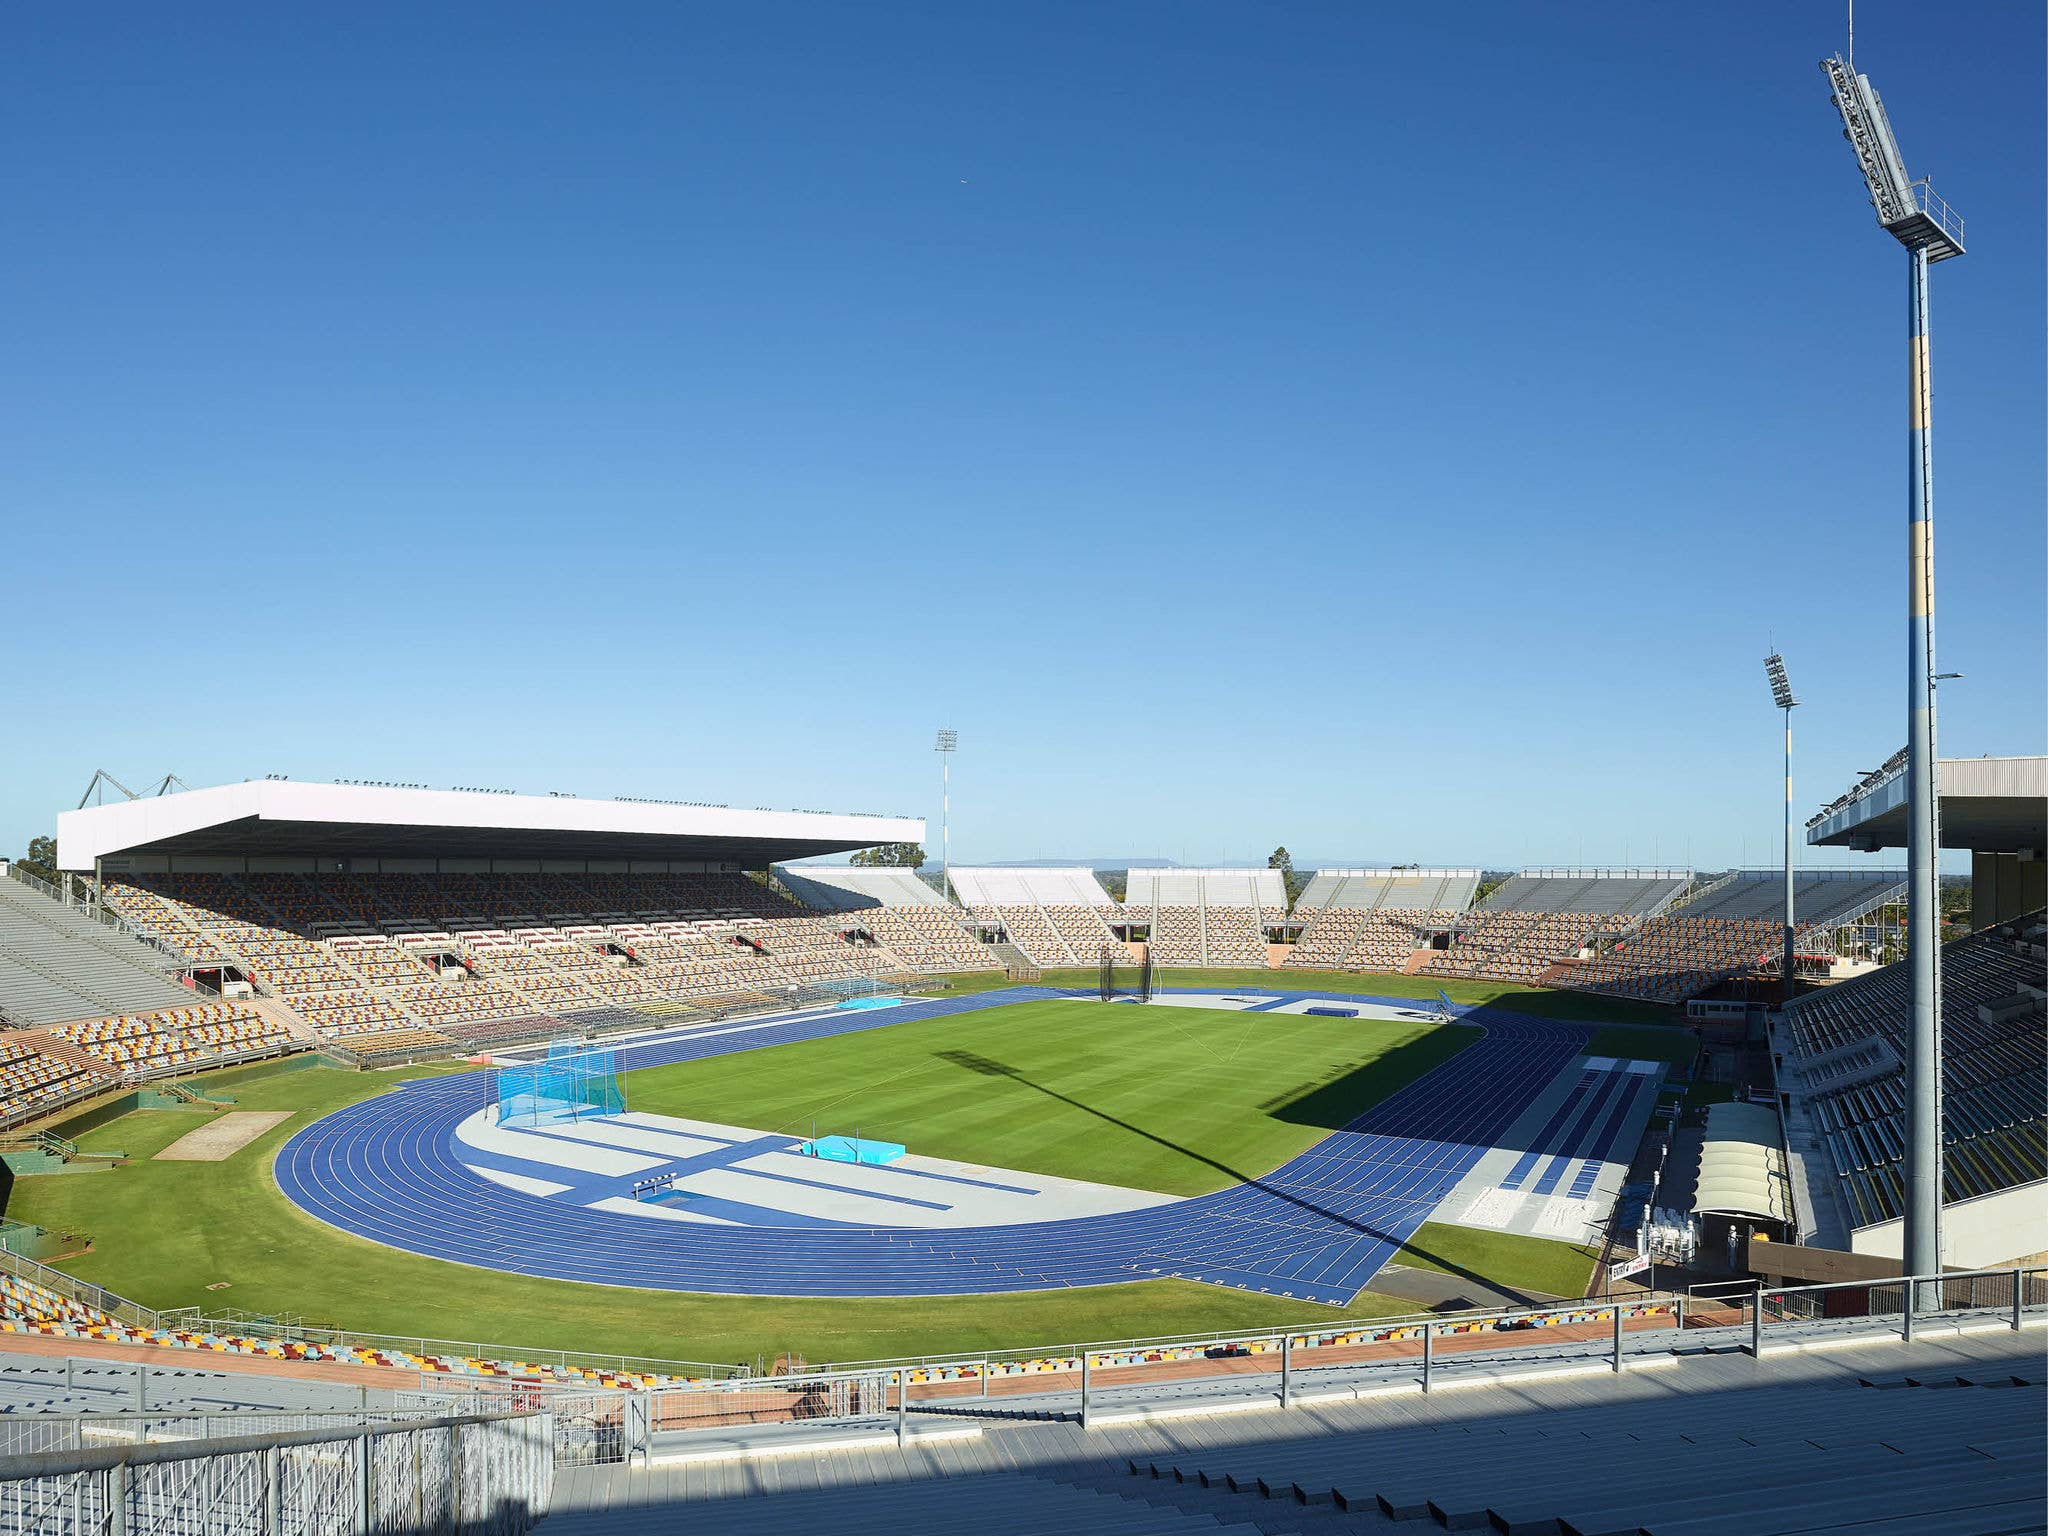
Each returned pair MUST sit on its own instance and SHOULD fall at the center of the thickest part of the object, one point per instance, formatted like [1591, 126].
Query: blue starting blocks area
[429, 1169]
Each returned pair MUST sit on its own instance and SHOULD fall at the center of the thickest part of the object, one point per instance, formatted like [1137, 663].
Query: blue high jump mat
[871, 1002]
[1333, 1013]
[855, 1149]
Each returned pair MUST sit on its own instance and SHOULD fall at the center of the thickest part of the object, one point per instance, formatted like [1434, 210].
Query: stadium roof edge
[296, 819]
[1988, 805]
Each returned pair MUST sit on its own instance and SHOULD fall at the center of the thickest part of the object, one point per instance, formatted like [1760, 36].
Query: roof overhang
[1988, 804]
[276, 818]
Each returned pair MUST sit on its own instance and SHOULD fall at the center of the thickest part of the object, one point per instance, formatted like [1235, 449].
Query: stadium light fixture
[948, 743]
[1930, 231]
[1781, 695]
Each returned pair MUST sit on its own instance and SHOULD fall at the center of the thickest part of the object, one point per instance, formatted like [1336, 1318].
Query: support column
[1791, 977]
[1923, 857]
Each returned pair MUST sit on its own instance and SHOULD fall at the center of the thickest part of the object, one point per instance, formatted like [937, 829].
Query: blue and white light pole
[1930, 231]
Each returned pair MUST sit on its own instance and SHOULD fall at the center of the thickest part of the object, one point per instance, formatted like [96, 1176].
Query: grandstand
[374, 918]
[1375, 919]
[57, 962]
[1056, 916]
[1733, 925]
[1842, 1055]
[1541, 919]
[847, 888]
[45, 1068]
[1197, 917]
[1409, 889]
[894, 912]
[1618, 895]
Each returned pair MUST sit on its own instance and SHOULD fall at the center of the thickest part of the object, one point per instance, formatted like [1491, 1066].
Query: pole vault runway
[1318, 1228]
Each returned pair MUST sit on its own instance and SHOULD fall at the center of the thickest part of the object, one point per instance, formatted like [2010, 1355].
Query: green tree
[41, 858]
[1283, 861]
[891, 856]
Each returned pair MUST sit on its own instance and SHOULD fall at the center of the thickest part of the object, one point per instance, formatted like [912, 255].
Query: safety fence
[490, 1475]
[1903, 1303]
[1286, 1365]
[1022, 1368]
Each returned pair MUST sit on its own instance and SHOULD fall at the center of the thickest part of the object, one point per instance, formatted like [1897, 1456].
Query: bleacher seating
[40, 1069]
[1503, 945]
[33, 1080]
[30, 1309]
[1234, 936]
[1821, 898]
[374, 1046]
[1176, 936]
[1732, 927]
[1206, 916]
[1994, 1043]
[1084, 930]
[1678, 955]
[1409, 890]
[1366, 938]
[345, 952]
[850, 888]
[1630, 894]
[927, 938]
[57, 963]
[197, 1034]
[1058, 916]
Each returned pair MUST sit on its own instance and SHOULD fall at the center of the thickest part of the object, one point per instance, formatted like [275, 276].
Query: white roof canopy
[287, 818]
[1742, 1165]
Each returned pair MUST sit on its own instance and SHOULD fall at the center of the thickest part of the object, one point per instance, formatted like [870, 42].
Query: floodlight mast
[1781, 695]
[948, 743]
[1930, 231]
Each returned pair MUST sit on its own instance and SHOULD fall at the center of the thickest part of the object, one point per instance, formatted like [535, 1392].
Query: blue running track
[1317, 1228]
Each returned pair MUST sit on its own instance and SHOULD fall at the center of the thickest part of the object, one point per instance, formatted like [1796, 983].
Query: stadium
[393, 1157]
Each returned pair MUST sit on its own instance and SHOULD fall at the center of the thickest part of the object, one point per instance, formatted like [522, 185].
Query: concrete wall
[1975, 1234]
[2004, 886]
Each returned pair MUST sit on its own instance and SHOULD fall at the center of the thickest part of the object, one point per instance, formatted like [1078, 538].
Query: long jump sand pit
[222, 1137]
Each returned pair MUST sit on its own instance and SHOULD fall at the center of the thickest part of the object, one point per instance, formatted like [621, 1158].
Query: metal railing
[83, 1292]
[1945, 218]
[1037, 1358]
[31, 1434]
[292, 1330]
[1416, 1350]
[612, 1427]
[1904, 1302]
[487, 1474]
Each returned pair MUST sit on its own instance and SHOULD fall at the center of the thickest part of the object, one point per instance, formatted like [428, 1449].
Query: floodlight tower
[948, 744]
[1781, 695]
[1930, 231]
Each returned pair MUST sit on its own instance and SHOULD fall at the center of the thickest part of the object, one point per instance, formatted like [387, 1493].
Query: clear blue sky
[1398, 432]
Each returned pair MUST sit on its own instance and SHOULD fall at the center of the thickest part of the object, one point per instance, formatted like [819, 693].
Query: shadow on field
[986, 1066]
[1349, 1089]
